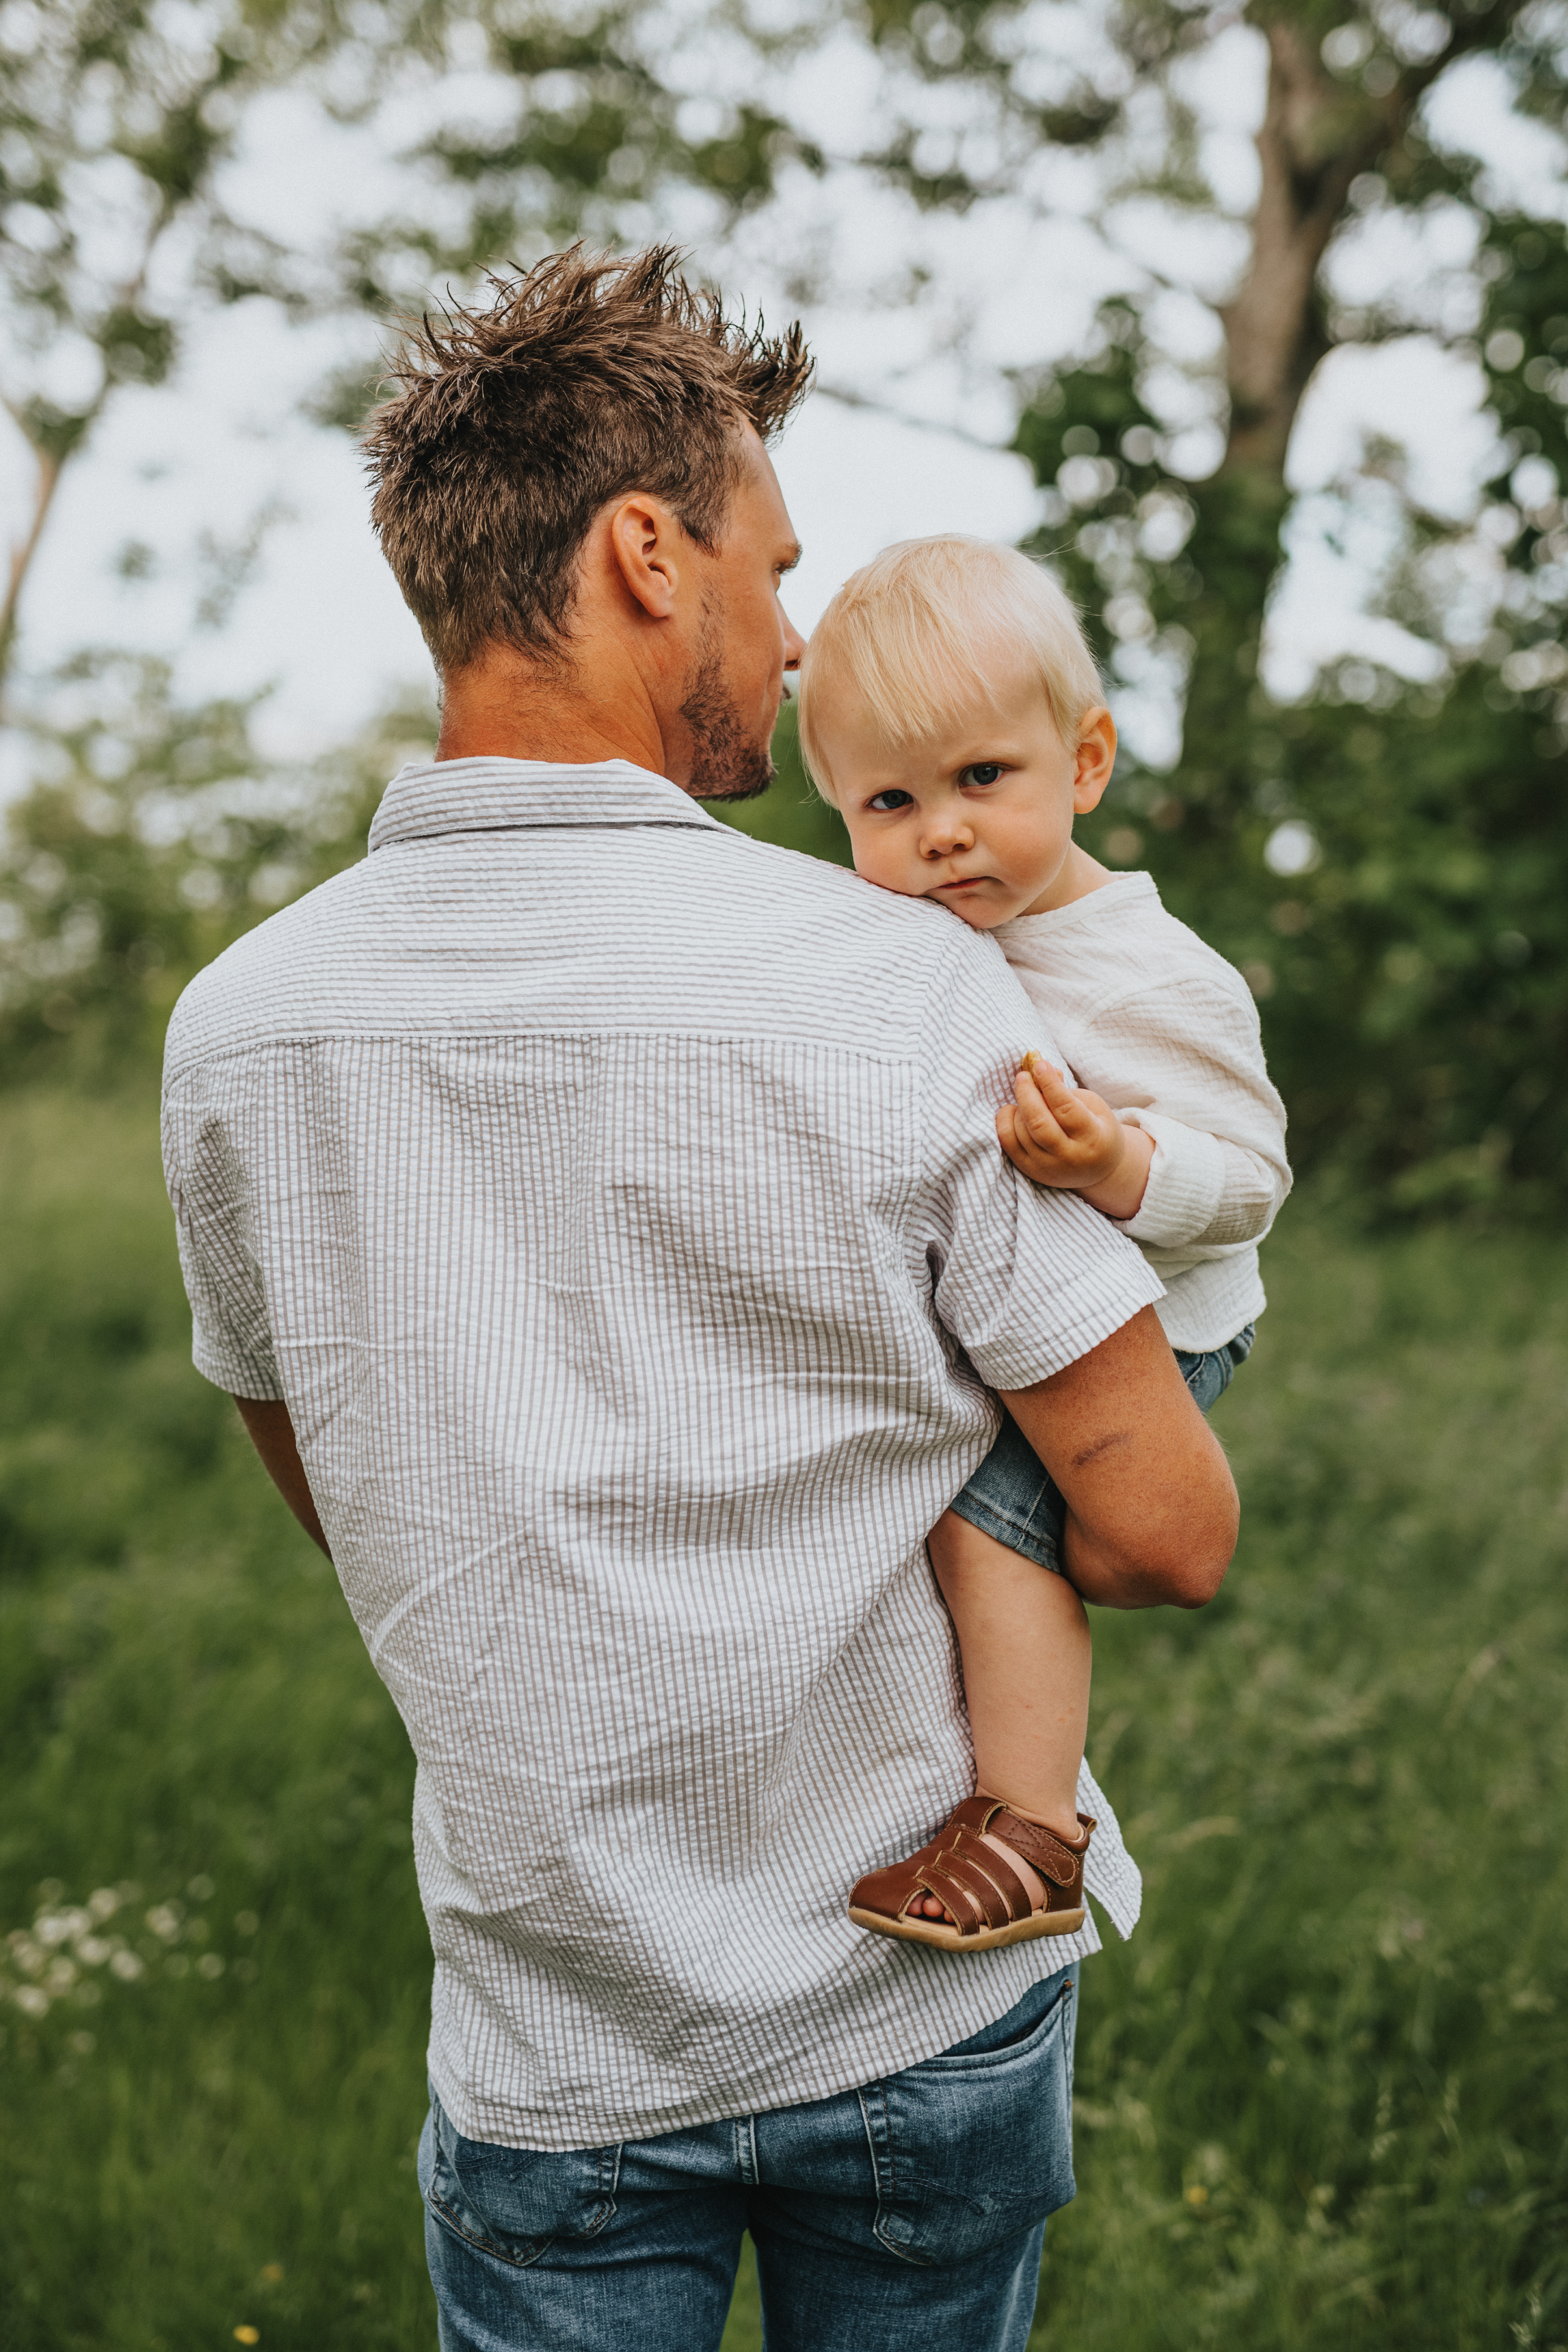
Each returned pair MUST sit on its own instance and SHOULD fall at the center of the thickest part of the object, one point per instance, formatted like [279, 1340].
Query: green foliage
[183, 1698]
[1321, 2093]
[1414, 971]
[158, 832]
[1323, 2088]
[155, 835]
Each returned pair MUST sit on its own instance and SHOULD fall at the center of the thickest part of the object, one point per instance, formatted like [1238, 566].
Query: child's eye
[891, 800]
[983, 771]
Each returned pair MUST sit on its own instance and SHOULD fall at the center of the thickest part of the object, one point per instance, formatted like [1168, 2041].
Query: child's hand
[1066, 1136]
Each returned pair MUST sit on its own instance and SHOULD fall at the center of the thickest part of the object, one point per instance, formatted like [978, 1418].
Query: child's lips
[964, 882]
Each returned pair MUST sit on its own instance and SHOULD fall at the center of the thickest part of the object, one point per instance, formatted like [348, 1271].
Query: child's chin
[975, 912]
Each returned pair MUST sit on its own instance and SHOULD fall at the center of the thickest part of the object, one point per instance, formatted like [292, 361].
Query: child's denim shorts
[1014, 1498]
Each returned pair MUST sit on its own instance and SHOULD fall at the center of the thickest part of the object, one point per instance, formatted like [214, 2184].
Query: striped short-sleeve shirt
[615, 1204]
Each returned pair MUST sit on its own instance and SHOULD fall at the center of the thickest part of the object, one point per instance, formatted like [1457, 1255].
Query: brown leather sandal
[973, 1881]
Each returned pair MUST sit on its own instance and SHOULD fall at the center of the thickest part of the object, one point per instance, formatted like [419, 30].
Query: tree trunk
[1314, 140]
[1316, 136]
[50, 467]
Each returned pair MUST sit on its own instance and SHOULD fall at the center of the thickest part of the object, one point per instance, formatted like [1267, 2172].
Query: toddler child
[951, 710]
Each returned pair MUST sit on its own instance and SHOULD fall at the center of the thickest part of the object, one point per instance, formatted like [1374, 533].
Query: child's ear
[1096, 758]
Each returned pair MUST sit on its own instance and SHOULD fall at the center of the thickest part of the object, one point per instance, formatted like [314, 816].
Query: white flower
[92, 1951]
[128, 1966]
[104, 1902]
[32, 2001]
[62, 1975]
[209, 1965]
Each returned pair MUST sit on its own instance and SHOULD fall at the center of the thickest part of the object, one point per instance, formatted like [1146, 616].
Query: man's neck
[506, 708]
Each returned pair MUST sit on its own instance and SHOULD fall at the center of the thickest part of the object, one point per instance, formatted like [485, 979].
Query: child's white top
[1166, 1031]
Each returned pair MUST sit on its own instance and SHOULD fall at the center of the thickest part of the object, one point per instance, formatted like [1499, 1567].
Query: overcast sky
[190, 466]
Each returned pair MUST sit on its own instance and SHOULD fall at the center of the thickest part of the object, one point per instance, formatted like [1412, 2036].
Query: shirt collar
[429, 797]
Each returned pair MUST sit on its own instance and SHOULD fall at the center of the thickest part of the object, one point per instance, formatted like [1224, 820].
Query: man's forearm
[1108, 1577]
[272, 1433]
[1151, 1505]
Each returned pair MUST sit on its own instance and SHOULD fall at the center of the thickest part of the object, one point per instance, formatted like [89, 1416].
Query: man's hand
[1065, 1137]
[1152, 1508]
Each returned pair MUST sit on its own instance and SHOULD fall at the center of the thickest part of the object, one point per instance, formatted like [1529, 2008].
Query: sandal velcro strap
[1050, 1854]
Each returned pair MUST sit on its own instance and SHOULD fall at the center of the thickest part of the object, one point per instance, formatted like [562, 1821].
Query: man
[599, 1220]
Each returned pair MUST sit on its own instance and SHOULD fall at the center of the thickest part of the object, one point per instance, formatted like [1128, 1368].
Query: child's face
[980, 817]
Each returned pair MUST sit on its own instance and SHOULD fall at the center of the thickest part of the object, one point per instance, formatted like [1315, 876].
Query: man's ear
[1095, 758]
[644, 544]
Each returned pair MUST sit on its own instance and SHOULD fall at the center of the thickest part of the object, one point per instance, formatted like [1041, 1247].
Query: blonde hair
[913, 634]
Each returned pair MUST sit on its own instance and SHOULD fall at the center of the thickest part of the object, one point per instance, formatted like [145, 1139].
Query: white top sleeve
[1181, 1061]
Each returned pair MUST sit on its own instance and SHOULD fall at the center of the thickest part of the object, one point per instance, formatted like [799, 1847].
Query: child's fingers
[1034, 1113]
[1088, 1118]
[1051, 1086]
[1080, 1117]
[1016, 1145]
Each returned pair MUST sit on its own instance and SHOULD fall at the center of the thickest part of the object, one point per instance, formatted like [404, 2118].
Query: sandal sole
[951, 1939]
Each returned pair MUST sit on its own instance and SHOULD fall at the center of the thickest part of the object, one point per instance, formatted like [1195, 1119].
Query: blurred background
[1252, 320]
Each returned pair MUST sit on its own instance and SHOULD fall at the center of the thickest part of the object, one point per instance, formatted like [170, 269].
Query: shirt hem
[1196, 1335]
[1001, 1367]
[497, 2122]
[238, 1380]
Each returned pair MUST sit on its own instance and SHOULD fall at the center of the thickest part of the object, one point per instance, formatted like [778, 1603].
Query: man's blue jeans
[910, 2210]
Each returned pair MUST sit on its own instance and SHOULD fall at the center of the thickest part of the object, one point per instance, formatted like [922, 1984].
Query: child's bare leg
[1025, 1642]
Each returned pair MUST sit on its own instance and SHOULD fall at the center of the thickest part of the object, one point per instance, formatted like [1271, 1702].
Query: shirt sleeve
[231, 1330]
[1025, 1279]
[1185, 1062]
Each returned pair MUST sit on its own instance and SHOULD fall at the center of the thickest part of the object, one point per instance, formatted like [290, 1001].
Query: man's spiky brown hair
[585, 378]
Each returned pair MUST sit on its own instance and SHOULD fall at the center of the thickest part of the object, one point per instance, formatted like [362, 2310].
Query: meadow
[1323, 2093]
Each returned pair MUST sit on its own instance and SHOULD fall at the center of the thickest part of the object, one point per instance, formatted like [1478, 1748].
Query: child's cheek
[875, 863]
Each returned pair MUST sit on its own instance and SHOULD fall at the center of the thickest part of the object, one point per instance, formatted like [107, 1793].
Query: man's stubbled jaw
[726, 763]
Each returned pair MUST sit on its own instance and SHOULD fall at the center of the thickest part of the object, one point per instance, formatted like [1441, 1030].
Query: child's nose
[946, 833]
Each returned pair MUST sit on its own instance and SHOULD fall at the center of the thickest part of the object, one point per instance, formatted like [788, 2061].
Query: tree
[115, 119]
[1415, 964]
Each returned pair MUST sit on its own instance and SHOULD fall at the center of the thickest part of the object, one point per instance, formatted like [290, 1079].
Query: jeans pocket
[514, 2202]
[972, 2150]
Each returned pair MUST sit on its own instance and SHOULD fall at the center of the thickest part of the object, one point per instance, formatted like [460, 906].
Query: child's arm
[1066, 1136]
[1187, 1057]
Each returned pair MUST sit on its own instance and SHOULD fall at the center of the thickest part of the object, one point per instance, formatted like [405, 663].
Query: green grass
[1322, 2095]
